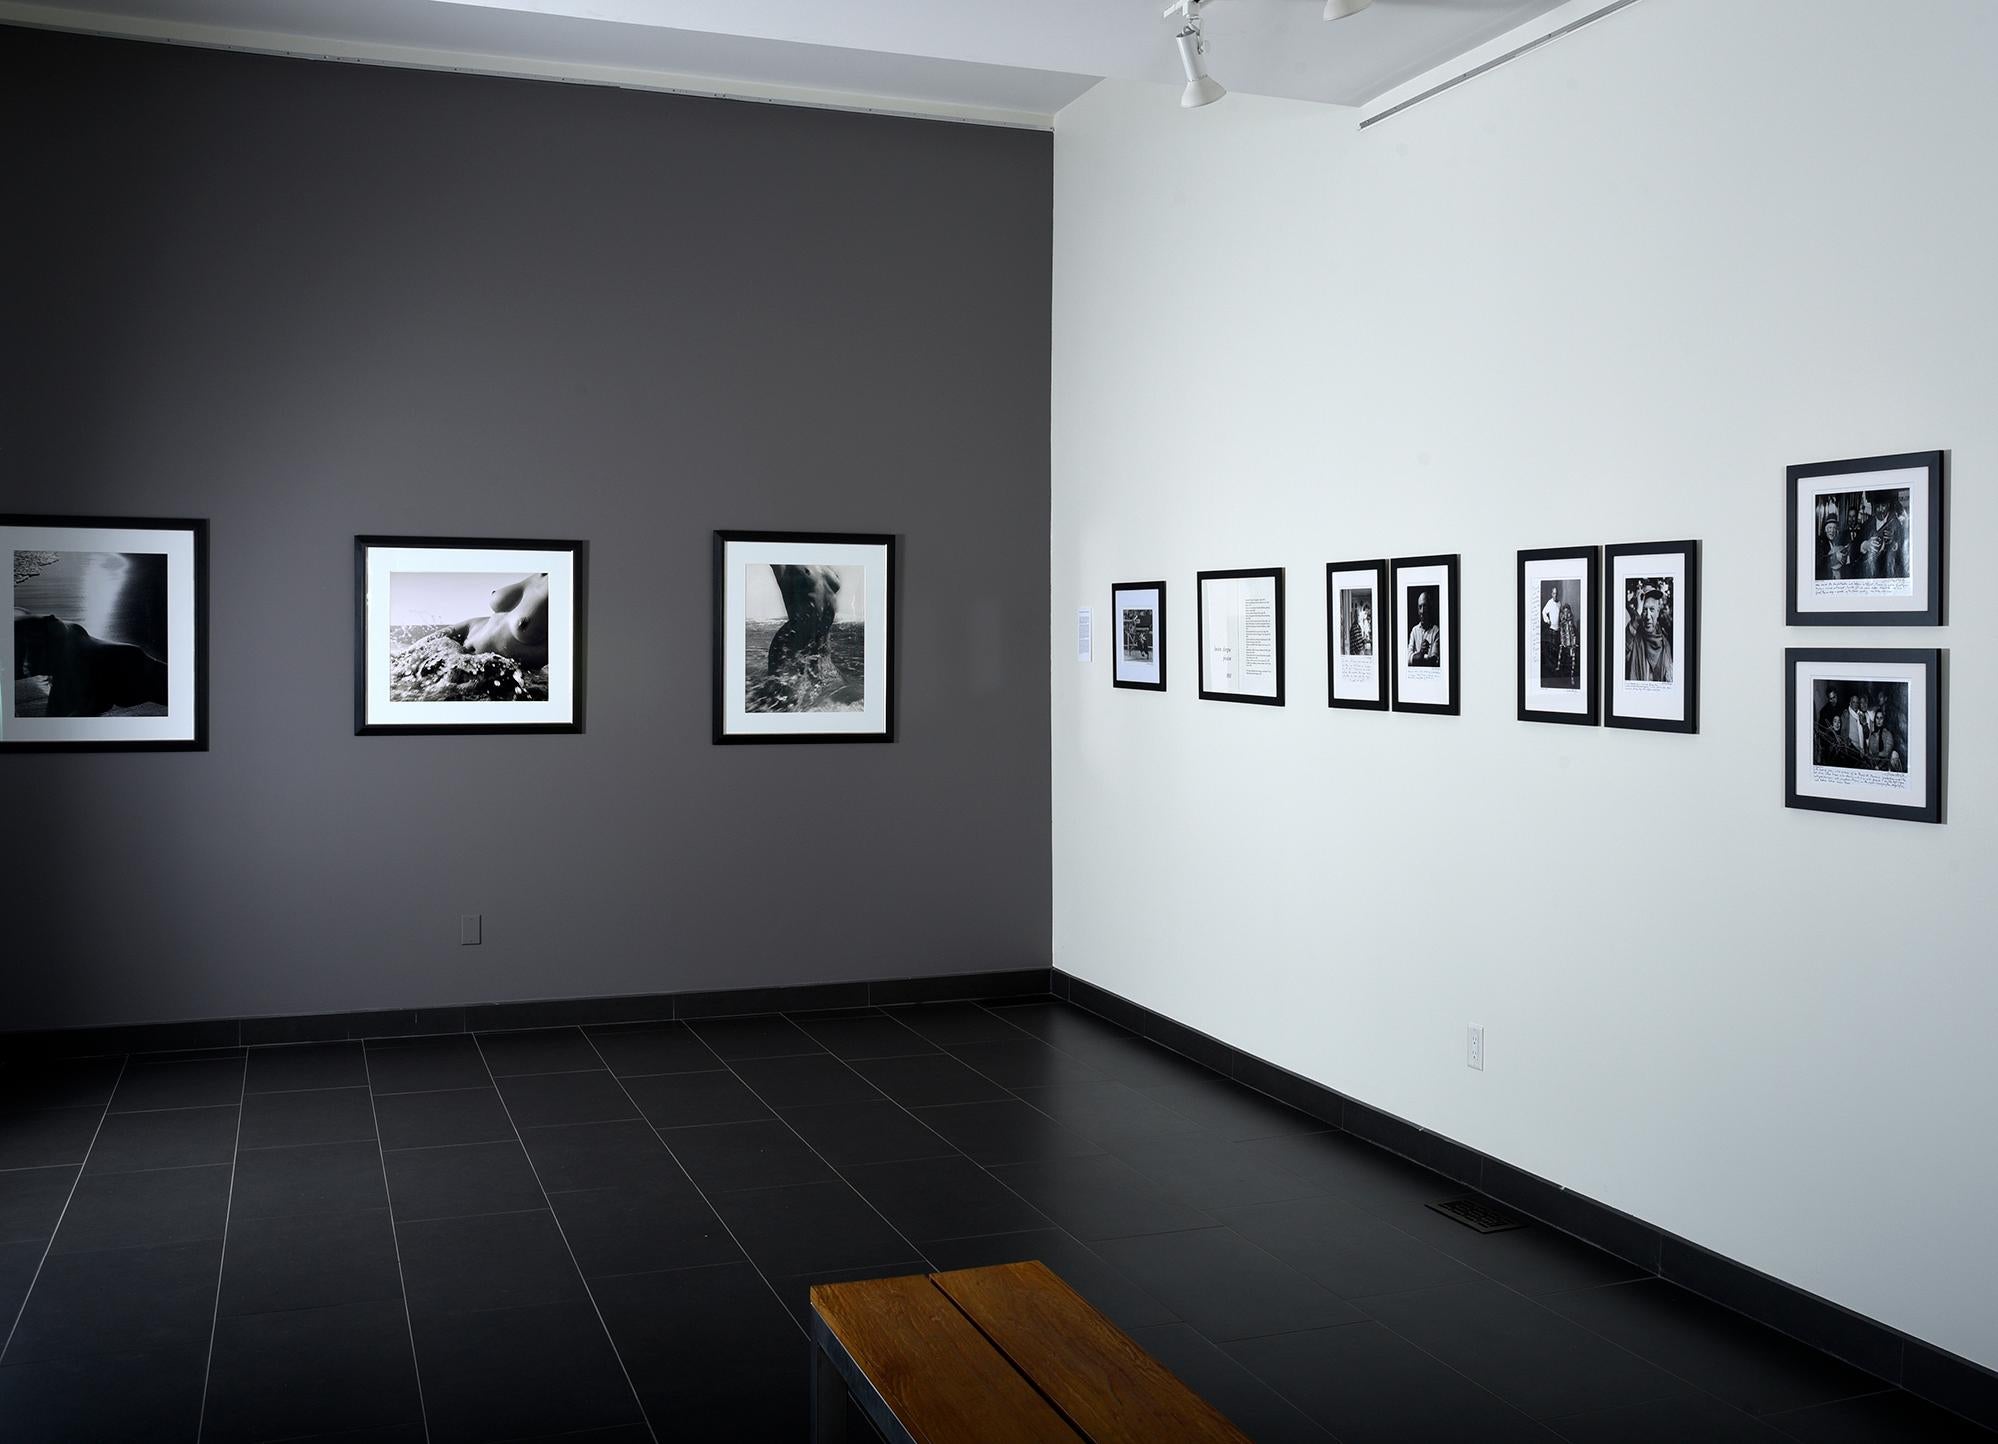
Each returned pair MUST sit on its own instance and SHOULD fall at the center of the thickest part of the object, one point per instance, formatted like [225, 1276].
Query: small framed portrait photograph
[467, 634]
[804, 637]
[1425, 634]
[1865, 542]
[1651, 637]
[1862, 731]
[1240, 615]
[1356, 633]
[1137, 631]
[109, 647]
[1560, 592]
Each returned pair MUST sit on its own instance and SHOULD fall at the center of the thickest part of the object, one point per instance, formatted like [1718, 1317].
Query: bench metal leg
[828, 1399]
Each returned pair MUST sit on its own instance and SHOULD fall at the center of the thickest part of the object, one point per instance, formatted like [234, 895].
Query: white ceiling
[1014, 61]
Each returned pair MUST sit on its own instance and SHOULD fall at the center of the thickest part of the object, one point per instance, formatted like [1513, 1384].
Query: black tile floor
[608, 1234]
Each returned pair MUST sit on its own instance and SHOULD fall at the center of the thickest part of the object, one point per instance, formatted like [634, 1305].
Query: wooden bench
[1002, 1355]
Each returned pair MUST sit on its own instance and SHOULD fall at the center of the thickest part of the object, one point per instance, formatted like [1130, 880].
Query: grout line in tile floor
[589, 1292]
[14, 1324]
[395, 1240]
[222, 1255]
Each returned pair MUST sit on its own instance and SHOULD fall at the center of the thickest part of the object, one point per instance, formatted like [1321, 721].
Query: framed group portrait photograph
[1356, 631]
[1426, 608]
[1138, 636]
[109, 647]
[1559, 601]
[1240, 616]
[1865, 542]
[1863, 731]
[804, 645]
[467, 634]
[1651, 636]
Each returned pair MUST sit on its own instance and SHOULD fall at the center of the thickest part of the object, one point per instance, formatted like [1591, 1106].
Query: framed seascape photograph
[804, 640]
[1355, 602]
[1425, 634]
[1862, 731]
[1137, 631]
[1241, 635]
[1560, 603]
[1865, 542]
[463, 634]
[109, 647]
[1651, 640]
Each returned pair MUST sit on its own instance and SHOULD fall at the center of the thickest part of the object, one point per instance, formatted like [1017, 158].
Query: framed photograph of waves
[804, 637]
[465, 635]
[109, 647]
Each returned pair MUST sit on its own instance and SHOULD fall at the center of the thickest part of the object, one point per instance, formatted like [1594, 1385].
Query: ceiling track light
[1340, 9]
[1201, 88]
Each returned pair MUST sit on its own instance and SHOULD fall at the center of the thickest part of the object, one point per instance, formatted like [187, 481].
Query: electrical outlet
[1474, 1047]
[469, 929]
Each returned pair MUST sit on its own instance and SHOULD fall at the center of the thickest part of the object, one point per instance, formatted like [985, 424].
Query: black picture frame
[721, 735]
[1591, 559]
[1383, 656]
[1934, 731]
[1930, 609]
[1200, 581]
[1117, 635]
[197, 531]
[579, 561]
[1451, 563]
[1686, 667]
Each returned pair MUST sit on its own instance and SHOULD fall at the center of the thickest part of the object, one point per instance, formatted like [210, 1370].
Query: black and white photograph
[802, 641]
[1865, 541]
[1241, 628]
[107, 647]
[1863, 731]
[1138, 619]
[1425, 634]
[467, 635]
[1356, 632]
[1651, 636]
[1558, 590]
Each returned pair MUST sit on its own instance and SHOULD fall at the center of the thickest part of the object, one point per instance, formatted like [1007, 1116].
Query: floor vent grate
[1480, 1214]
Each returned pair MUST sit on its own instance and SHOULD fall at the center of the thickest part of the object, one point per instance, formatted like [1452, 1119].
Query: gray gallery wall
[309, 300]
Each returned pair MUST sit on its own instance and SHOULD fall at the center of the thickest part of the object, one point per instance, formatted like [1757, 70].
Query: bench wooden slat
[941, 1377]
[1111, 1388]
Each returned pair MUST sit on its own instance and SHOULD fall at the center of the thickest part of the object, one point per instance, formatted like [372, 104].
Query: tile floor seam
[395, 1242]
[221, 1261]
[14, 1327]
[589, 1293]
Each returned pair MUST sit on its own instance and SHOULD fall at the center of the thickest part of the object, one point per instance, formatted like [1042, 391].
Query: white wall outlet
[1474, 1047]
[469, 926]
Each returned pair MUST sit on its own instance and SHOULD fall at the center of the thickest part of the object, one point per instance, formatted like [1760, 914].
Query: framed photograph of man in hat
[1865, 542]
[1560, 591]
[1862, 731]
[1651, 643]
[1356, 633]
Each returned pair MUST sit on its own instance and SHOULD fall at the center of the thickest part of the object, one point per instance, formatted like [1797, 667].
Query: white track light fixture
[1340, 9]
[1201, 88]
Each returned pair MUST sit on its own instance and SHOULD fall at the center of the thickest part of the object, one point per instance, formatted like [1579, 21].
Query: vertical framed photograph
[1560, 604]
[1865, 542]
[1651, 642]
[1241, 635]
[1355, 614]
[1137, 631]
[1425, 634]
[109, 647]
[804, 637]
[1862, 731]
[465, 634]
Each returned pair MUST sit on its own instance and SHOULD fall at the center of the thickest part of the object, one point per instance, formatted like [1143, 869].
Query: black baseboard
[1935, 1374]
[542, 1013]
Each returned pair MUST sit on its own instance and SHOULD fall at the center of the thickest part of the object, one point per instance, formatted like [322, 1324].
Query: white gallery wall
[1602, 294]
